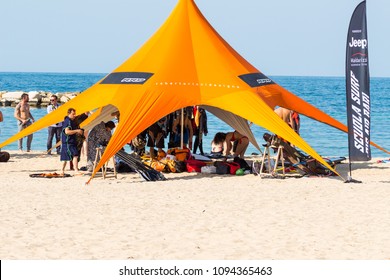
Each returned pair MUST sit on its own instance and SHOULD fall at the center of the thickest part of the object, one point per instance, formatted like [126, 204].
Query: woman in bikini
[228, 140]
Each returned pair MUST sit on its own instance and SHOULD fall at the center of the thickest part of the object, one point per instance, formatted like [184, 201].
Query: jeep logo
[361, 43]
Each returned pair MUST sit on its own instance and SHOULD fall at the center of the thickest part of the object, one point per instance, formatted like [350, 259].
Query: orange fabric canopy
[185, 63]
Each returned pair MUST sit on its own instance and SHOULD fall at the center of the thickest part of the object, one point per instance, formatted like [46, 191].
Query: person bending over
[229, 140]
[99, 136]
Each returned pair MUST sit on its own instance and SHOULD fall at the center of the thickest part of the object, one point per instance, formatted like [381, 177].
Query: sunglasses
[52, 99]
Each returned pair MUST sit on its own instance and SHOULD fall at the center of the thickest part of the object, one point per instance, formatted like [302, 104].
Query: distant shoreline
[104, 74]
[37, 98]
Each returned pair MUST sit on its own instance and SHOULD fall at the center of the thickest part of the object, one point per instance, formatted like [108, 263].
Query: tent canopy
[185, 63]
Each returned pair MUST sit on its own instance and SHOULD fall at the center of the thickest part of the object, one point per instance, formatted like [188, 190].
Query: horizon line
[100, 73]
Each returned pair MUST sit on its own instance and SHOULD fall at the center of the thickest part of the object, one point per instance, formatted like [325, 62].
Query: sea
[325, 93]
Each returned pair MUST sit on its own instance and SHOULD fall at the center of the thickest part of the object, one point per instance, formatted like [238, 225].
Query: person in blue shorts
[69, 150]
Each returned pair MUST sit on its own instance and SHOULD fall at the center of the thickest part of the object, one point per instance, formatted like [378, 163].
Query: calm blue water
[326, 93]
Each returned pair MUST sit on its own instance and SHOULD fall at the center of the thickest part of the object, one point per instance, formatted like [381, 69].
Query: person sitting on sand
[69, 150]
[228, 140]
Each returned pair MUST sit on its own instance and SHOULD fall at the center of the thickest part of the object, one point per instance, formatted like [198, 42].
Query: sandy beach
[192, 216]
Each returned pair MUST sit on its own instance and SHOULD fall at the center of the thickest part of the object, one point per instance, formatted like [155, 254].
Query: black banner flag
[358, 87]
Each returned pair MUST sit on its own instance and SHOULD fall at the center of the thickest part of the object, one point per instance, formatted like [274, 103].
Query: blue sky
[279, 37]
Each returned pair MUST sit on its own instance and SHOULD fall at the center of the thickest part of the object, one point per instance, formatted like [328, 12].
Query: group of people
[24, 119]
[193, 124]
[69, 137]
[72, 138]
[235, 144]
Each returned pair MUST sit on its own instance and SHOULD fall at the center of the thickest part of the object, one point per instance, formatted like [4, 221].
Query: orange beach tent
[186, 62]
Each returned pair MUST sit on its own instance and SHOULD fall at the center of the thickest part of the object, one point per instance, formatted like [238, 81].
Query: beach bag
[224, 167]
[242, 162]
[4, 156]
[221, 168]
[194, 165]
[233, 167]
[180, 154]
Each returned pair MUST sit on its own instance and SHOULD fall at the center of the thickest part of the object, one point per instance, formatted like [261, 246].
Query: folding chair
[104, 167]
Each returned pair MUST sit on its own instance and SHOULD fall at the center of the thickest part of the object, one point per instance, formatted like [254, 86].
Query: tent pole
[182, 129]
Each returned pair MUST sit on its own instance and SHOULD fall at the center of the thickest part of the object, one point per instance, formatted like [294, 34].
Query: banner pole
[349, 178]
[358, 89]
